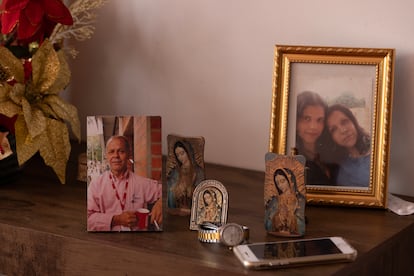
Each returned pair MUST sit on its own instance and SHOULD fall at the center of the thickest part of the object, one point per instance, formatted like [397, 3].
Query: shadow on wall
[402, 132]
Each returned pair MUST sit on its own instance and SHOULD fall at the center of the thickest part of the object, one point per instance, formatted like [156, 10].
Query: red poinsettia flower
[7, 123]
[33, 19]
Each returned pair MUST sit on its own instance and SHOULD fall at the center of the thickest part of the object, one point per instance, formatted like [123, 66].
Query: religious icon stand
[185, 170]
[210, 204]
[285, 195]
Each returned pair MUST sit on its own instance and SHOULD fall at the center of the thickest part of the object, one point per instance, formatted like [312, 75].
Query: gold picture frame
[361, 79]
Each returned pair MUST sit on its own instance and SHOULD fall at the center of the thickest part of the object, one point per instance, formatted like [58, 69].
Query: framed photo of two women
[333, 105]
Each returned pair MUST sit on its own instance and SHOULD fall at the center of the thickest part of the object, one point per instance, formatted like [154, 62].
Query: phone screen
[294, 249]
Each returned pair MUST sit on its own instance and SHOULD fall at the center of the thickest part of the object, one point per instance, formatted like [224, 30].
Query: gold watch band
[209, 235]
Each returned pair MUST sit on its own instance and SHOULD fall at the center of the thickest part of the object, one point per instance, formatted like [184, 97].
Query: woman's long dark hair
[305, 99]
[363, 143]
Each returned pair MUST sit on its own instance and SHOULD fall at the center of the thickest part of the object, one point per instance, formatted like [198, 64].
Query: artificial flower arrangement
[34, 70]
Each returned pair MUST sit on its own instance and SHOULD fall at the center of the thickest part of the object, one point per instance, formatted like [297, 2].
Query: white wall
[206, 67]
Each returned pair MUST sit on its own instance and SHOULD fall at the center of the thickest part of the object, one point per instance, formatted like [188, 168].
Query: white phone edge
[249, 260]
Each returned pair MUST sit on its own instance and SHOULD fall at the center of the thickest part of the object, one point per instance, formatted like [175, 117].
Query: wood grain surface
[43, 232]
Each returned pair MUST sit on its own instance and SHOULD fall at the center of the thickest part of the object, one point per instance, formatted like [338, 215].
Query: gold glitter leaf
[9, 108]
[48, 111]
[4, 92]
[11, 66]
[55, 147]
[35, 119]
[46, 66]
[66, 112]
[17, 93]
[63, 77]
[25, 146]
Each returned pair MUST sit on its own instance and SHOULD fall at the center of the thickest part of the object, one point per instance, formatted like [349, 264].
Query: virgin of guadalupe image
[185, 170]
[285, 199]
[210, 210]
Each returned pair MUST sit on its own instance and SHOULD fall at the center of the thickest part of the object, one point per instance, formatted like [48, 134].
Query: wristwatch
[229, 234]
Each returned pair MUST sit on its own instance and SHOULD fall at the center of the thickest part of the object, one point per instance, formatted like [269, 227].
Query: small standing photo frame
[285, 195]
[210, 204]
[185, 170]
[124, 171]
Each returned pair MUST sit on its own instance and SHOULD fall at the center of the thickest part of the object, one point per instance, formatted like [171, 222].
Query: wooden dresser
[43, 232]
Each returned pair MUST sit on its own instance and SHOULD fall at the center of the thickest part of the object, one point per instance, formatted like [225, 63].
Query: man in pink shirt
[116, 195]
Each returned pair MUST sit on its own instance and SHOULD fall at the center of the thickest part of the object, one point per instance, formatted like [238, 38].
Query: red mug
[142, 218]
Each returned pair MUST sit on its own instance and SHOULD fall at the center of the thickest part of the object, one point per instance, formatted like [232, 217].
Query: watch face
[231, 234]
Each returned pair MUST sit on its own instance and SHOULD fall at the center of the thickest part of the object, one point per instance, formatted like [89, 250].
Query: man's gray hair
[122, 138]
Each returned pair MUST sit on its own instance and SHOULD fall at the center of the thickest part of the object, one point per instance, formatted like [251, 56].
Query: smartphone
[294, 252]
